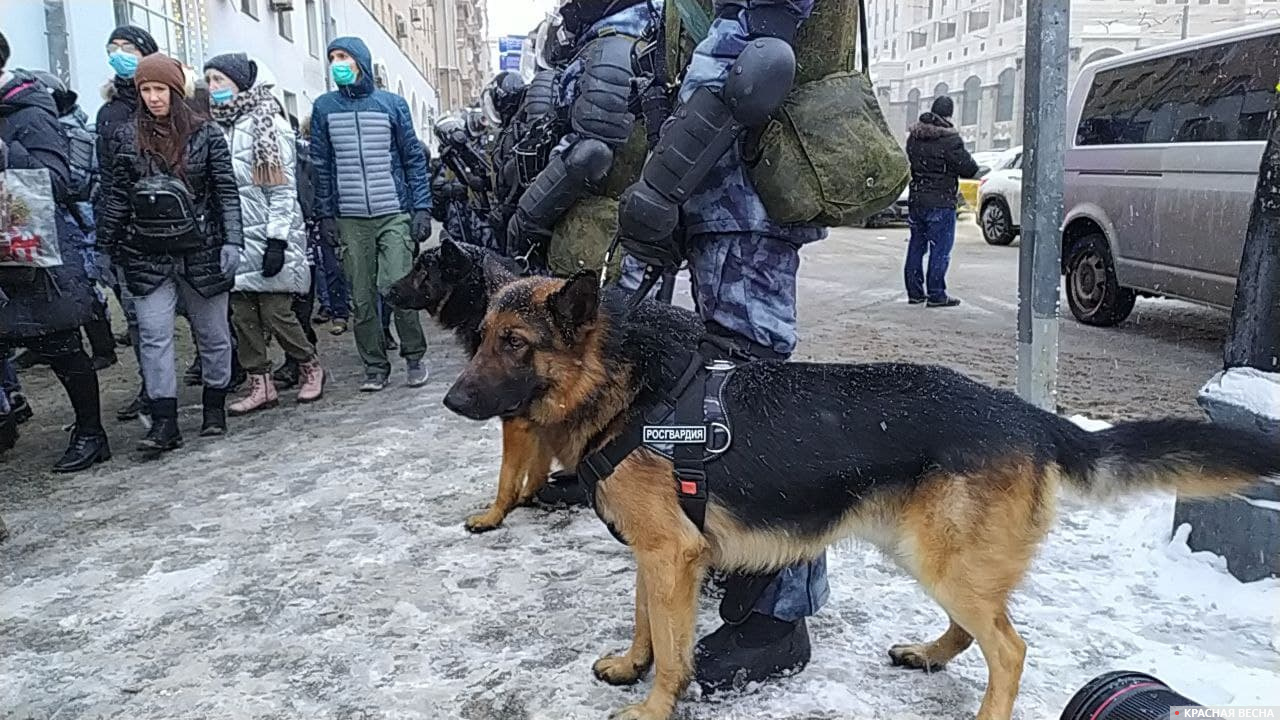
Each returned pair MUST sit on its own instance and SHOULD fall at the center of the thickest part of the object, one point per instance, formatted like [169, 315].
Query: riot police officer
[466, 186]
[743, 267]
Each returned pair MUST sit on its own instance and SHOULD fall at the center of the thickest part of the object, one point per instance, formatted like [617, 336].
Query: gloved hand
[421, 228]
[273, 257]
[663, 253]
[329, 231]
[230, 260]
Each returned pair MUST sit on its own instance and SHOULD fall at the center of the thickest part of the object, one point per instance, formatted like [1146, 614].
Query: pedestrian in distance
[273, 260]
[171, 221]
[938, 160]
[373, 202]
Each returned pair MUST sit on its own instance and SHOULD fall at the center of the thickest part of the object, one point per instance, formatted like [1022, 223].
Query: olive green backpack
[827, 157]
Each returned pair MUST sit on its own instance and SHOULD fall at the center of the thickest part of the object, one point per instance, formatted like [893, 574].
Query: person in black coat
[42, 309]
[938, 160]
[126, 46]
[169, 141]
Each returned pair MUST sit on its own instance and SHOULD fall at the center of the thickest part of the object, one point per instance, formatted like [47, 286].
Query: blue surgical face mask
[221, 96]
[343, 73]
[125, 64]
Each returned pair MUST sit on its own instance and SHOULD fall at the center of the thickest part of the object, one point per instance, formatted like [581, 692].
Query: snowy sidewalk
[314, 565]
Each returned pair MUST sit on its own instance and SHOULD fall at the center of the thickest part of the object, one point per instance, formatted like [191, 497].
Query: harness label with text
[676, 434]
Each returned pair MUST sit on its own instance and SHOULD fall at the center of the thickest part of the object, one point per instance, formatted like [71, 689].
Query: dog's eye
[514, 343]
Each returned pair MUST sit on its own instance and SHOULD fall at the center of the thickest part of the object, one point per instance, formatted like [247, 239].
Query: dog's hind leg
[629, 667]
[519, 446]
[969, 541]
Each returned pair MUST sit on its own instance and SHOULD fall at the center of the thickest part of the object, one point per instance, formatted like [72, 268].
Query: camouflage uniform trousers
[744, 266]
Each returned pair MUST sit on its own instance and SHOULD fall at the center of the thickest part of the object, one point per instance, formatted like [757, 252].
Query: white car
[1000, 201]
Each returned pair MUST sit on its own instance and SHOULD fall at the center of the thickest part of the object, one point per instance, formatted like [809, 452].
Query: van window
[1214, 94]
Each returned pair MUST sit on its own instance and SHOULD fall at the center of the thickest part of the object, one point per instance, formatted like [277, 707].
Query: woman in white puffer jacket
[273, 264]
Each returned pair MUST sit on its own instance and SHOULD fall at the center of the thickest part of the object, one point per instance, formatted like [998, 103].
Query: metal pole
[327, 27]
[1040, 257]
[1186, 20]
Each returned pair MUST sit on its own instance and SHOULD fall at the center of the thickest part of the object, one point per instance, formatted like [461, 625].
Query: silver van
[1163, 148]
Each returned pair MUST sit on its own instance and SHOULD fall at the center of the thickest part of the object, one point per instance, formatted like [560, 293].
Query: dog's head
[451, 269]
[538, 354]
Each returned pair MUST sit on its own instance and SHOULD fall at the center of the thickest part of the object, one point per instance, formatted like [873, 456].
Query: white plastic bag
[28, 219]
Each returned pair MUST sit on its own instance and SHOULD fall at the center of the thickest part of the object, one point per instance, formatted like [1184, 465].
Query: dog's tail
[1196, 459]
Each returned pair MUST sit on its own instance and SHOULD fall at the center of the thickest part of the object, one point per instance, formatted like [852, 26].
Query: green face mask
[344, 73]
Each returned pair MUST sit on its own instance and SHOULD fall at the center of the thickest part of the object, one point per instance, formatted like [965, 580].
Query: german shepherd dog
[954, 480]
[451, 283]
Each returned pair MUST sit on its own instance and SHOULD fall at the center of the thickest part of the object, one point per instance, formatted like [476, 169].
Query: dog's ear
[454, 261]
[575, 304]
[496, 274]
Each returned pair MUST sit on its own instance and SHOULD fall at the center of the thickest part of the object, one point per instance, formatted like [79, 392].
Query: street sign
[510, 43]
[509, 61]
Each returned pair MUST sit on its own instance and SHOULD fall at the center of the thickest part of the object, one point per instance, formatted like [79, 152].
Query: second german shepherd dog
[956, 481]
[452, 283]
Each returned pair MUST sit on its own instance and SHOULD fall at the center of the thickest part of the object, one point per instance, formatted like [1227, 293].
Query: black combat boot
[286, 376]
[758, 649]
[562, 488]
[215, 412]
[164, 434]
[86, 449]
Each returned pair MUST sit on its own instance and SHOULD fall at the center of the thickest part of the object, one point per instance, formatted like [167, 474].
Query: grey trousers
[209, 323]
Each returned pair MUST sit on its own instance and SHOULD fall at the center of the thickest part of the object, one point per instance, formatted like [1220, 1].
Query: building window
[979, 20]
[913, 107]
[1012, 9]
[313, 30]
[1004, 95]
[972, 97]
[941, 89]
[164, 19]
[250, 8]
[946, 30]
[284, 24]
[290, 103]
[917, 40]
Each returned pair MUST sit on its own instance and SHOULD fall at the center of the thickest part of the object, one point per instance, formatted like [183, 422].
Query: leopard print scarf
[261, 106]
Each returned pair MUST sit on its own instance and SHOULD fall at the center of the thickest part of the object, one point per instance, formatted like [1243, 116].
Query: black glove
[329, 232]
[273, 257]
[421, 228]
[663, 253]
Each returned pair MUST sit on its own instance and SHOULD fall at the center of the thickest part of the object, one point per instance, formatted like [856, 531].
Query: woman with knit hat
[273, 263]
[172, 223]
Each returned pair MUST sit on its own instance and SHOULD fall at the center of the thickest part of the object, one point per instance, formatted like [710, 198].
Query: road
[312, 564]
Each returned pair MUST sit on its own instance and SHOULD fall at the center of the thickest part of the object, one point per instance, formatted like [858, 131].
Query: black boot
[215, 412]
[20, 408]
[758, 649]
[86, 449]
[286, 376]
[164, 434]
[101, 344]
[562, 488]
[8, 432]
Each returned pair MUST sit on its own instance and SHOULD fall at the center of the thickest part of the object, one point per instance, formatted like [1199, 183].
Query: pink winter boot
[262, 395]
[311, 381]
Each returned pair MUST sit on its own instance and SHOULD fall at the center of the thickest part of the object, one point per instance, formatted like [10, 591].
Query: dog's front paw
[618, 670]
[484, 522]
[638, 712]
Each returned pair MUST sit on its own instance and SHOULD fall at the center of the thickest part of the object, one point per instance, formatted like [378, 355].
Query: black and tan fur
[954, 480]
[451, 283]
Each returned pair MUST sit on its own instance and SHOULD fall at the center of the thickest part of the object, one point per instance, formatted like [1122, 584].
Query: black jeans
[65, 354]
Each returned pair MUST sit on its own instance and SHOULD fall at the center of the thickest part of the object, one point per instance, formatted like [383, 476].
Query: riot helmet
[502, 97]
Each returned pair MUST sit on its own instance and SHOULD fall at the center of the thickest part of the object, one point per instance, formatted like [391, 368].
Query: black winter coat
[36, 302]
[938, 160]
[209, 175]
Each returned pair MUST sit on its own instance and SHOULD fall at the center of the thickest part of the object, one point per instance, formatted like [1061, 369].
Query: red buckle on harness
[688, 487]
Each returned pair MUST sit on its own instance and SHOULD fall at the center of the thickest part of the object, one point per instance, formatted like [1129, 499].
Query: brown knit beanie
[161, 68]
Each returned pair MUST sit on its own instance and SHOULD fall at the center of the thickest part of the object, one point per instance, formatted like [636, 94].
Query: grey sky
[516, 17]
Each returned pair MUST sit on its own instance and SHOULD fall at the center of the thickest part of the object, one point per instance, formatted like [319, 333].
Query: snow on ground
[314, 565]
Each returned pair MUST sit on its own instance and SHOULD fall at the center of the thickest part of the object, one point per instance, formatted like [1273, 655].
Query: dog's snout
[462, 400]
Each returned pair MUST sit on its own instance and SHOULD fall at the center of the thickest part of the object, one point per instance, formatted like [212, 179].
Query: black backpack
[165, 221]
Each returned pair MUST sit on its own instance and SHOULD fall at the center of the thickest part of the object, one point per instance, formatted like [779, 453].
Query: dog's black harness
[687, 425]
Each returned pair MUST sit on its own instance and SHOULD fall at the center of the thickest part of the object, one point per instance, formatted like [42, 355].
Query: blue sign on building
[510, 43]
[509, 61]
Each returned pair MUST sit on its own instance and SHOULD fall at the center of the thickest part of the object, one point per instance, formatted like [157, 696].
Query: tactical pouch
[828, 157]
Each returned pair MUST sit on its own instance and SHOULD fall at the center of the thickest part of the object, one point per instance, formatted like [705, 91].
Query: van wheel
[997, 227]
[1093, 291]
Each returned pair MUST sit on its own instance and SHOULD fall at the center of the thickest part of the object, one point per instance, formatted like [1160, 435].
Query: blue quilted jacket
[368, 161]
